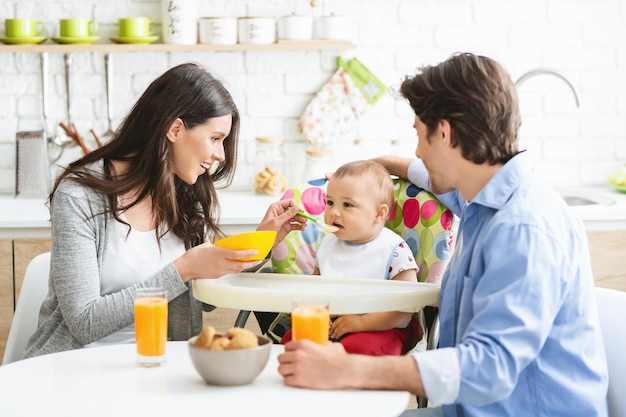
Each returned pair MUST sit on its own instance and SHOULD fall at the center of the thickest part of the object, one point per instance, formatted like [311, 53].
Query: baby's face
[353, 207]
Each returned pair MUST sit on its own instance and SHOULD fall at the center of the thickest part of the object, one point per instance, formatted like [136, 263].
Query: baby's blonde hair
[366, 170]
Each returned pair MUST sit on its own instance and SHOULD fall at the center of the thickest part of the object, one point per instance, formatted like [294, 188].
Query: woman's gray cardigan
[74, 312]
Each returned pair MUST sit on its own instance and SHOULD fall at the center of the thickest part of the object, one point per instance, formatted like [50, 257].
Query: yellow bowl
[259, 240]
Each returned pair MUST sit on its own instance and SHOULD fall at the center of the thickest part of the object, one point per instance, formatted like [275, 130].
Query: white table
[104, 381]
[276, 292]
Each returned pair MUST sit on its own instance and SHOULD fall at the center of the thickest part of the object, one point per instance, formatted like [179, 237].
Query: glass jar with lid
[270, 165]
[319, 161]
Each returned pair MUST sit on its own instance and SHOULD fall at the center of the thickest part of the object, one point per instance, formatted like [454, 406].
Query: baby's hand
[342, 325]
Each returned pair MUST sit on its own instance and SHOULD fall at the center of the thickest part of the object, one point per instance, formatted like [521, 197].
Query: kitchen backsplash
[585, 40]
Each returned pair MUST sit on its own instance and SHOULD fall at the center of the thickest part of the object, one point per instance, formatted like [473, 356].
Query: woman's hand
[282, 216]
[208, 261]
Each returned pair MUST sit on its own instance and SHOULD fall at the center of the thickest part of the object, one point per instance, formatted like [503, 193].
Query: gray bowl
[230, 367]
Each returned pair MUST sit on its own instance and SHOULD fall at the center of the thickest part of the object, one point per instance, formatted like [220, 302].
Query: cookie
[241, 339]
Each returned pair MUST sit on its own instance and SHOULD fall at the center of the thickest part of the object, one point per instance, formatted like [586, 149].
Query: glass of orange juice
[310, 320]
[150, 326]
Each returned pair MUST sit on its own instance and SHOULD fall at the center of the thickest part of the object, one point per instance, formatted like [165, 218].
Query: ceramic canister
[295, 27]
[257, 30]
[218, 30]
[180, 21]
[334, 27]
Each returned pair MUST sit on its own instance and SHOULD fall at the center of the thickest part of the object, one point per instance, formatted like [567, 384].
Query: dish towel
[333, 113]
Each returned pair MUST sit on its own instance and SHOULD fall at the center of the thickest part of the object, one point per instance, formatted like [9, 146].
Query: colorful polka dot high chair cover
[422, 220]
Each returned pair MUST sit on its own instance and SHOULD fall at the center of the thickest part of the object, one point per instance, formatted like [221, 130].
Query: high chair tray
[277, 292]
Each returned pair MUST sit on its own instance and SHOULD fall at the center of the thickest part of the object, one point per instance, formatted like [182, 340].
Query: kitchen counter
[610, 215]
[241, 211]
[24, 218]
[29, 218]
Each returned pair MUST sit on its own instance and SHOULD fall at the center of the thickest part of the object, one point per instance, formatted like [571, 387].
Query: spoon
[321, 224]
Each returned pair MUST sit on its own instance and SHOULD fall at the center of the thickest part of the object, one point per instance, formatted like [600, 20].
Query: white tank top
[129, 260]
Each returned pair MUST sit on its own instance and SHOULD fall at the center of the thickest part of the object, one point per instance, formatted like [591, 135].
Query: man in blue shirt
[519, 331]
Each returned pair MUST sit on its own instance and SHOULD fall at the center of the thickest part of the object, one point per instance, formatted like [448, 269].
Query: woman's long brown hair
[191, 212]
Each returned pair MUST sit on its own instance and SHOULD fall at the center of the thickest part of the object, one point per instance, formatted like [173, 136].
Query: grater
[32, 167]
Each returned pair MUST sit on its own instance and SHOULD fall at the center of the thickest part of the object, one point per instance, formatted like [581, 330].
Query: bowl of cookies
[231, 359]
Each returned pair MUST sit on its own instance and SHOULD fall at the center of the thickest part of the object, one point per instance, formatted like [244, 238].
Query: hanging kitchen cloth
[333, 114]
[371, 87]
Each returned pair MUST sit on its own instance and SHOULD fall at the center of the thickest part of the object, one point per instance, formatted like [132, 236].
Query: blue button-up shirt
[519, 331]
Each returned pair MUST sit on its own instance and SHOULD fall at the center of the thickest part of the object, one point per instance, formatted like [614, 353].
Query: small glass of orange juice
[310, 320]
[150, 326]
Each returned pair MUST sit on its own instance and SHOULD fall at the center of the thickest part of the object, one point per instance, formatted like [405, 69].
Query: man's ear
[446, 132]
[173, 132]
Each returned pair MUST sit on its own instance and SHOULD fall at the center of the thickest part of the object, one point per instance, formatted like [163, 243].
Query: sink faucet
[539, 71]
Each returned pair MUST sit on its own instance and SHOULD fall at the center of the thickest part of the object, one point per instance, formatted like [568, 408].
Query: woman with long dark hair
[142, 211]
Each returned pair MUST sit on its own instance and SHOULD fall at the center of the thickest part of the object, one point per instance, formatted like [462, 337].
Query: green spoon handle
[307, 216]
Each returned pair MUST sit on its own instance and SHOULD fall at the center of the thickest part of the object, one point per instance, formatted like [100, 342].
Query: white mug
[257, 30]
[295, 27]
[334, 27]
[218, 30]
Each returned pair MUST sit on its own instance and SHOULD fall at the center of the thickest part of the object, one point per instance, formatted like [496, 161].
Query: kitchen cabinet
[24, 250]
[6, 291]
[15, 256]
[608, 260]
[314, 45]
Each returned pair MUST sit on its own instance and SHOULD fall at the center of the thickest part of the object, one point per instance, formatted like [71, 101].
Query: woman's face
[195, 150]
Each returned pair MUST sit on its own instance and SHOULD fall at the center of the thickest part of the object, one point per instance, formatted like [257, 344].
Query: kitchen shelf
[314, 45]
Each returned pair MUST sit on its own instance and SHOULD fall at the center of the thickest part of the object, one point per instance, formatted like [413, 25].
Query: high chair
[418, 216]
[422, 220]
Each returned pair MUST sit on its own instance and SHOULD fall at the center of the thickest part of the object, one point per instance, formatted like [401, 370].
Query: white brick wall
[584, 39]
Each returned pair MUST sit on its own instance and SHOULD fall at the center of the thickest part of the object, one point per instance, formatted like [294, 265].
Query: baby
[359, 198]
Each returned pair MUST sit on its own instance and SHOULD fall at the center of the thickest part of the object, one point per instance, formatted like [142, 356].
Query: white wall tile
[590, 12]
[219, 63]
[305, 83]
[490, 12]
[596, 172]
[584, 39]
[542, 34]
[620, 151]
[276, 105]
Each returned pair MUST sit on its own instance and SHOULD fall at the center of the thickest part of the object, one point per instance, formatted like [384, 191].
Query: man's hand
[306, 364]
